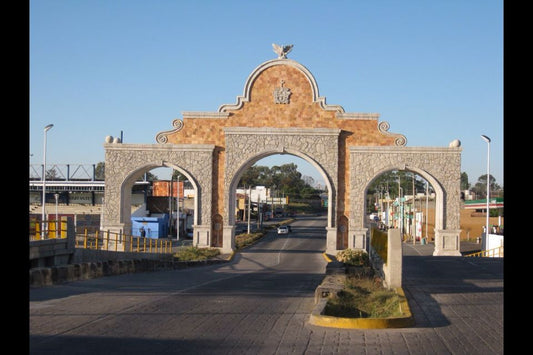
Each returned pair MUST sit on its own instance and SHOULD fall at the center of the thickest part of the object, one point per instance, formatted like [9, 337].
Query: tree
[388, 182]
[465, 185]
[176, 174]
[51, 174]
[480, 188]
[285, 180]
[99, 171]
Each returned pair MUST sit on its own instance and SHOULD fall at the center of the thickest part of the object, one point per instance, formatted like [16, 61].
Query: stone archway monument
[281, 112]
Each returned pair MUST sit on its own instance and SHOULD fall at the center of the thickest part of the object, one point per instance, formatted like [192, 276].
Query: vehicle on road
[283, 230]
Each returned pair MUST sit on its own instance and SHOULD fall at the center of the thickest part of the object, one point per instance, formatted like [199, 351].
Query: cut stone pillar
[331, 240]
[447, 242]
[201, 236]
[357, 238]
[228, 239]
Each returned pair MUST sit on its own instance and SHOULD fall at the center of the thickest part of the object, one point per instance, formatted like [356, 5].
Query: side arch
[440, 194]
[440, 166]
[127, 162]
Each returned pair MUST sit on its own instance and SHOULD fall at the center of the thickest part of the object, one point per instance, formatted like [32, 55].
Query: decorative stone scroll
[161, 137]
[400, 140]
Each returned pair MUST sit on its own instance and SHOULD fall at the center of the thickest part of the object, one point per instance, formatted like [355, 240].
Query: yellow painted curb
[231, 256]
[405, 321]
[326, 257]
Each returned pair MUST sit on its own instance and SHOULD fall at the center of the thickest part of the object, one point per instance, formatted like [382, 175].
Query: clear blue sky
[432, 69]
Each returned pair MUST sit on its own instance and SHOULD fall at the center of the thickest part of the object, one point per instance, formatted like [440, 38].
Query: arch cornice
[245, 97]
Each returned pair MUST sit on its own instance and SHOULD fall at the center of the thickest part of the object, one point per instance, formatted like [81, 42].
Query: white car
[283, 230]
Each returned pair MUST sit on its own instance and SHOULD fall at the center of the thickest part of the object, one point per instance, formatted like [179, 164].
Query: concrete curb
[405, 321]
[327, 287]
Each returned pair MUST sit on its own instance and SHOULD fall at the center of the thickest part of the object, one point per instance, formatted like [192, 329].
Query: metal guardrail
[491, 253]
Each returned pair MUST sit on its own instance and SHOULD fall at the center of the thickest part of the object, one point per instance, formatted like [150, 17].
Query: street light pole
[56, 195]
[427, 214]
[400, 191]
[487, 139]
[178, 209]
[46, 129]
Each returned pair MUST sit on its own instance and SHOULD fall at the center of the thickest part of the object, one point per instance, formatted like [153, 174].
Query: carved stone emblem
[281, 94]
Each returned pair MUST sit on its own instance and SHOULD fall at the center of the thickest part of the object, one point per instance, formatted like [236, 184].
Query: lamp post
[46, 129]
[400, 191]
[178, 209]
[56, 195]
[487, 139]
[427, 214]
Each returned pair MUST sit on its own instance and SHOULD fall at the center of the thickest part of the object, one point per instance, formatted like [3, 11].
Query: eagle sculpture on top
[282, 51]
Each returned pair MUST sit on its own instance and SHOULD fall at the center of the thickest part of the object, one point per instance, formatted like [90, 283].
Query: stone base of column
[357, 238]
[331, 241]
[201, 236]
[447, 242]
[228, 239]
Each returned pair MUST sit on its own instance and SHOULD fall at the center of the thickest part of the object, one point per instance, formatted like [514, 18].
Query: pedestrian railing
[112, 241]
[98, 240]
[491, 253]
[52, 230]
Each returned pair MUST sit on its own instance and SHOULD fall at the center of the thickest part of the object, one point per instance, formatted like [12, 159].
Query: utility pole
[178, 208]
[412, 225]
[249, 204]
[258, 213]
[427, 197]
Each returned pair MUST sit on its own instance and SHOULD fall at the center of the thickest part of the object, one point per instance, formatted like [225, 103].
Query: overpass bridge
[73, 184]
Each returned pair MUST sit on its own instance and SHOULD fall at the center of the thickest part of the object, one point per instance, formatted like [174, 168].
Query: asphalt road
[260, 303]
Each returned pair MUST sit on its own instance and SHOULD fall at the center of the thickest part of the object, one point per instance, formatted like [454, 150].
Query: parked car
[283, 230]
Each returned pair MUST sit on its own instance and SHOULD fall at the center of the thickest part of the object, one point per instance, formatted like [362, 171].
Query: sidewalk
[456, 301]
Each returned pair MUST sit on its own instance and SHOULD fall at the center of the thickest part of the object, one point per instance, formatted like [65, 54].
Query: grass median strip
[364, 298]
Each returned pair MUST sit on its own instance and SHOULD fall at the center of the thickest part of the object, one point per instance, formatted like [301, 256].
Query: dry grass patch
[196, 254]
[364, 297]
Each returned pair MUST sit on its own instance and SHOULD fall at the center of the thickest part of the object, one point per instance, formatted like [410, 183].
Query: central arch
[245, 146]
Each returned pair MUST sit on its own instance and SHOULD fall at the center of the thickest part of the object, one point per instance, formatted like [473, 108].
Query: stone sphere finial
[455, 143]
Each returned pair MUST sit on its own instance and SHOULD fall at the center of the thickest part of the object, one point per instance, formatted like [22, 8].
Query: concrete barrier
[47, 276]
[391, 269]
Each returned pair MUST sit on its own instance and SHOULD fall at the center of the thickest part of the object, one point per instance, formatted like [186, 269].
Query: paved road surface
[260, 304]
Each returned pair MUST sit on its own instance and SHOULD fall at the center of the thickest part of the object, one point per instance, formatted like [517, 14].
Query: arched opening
[160, 202]
[272, 186]
[405, 200]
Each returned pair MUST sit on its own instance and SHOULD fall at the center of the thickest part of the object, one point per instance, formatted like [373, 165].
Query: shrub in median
[353, 257]
[195, 254]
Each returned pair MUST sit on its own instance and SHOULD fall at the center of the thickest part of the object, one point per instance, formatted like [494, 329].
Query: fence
[52, 229]
[99, 240]
[121, 242]
[491, 253]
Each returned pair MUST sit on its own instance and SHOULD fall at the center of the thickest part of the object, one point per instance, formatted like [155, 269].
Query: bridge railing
[491, 253]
